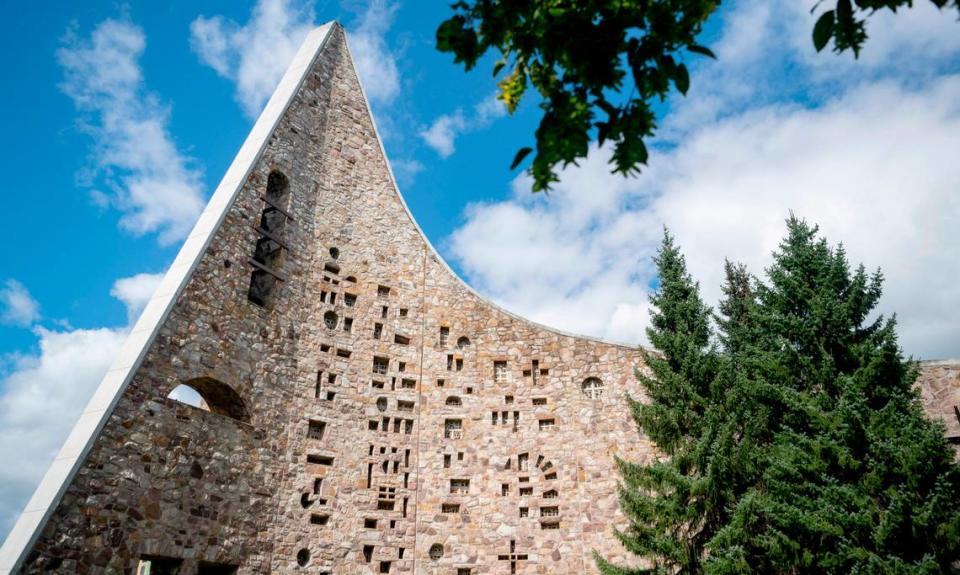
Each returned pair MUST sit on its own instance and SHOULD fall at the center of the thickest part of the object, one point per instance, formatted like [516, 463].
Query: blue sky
[122, 119]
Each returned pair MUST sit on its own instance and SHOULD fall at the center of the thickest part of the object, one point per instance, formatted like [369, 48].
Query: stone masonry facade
[368, 413]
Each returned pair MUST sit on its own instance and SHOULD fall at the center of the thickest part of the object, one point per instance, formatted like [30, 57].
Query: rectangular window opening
[380, 365]
[317, 459]
[453, 428]
[459, 486]
[499, 372]
[150, 565]
[316, 429]
[319, 518]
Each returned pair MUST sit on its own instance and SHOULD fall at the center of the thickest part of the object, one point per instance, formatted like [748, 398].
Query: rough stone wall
[939, 384]
[400, 448]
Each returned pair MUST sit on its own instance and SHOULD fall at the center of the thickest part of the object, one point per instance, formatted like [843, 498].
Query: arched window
[268, 253]
[274, 215]
[454, 400]
[330, 320]
[463, 342]
[277, 187]
[436, 551]
[592, 387]
[211, 395]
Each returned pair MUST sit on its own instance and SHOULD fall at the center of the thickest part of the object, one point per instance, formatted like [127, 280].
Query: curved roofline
[433, 250]
[936, 362]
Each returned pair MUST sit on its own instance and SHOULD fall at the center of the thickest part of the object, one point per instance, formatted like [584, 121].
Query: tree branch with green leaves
[599, 66]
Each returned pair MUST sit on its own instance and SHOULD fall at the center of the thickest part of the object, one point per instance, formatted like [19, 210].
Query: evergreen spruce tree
[854, 478]
[800, 446]
[665, 500]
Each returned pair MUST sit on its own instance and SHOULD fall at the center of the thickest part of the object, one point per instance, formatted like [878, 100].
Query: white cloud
[256, 54]
[158, 188]
[375, 61]
[765, 54]
[405, 171]
[43, 393]
[441, 135]
[871, 163]
[17, 306]
[443, 132]
[135, 292]
[912, 40]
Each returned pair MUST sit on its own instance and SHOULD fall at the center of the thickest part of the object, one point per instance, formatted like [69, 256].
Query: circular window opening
[303, 557]
[592, 387]
[436, 551]
[382, 403]
[334, 253]
[463, 342]
[330, 320]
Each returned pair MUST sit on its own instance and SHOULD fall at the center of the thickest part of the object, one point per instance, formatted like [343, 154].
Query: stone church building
[364, 411]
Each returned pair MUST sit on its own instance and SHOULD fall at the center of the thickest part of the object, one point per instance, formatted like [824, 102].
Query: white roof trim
[71, 456]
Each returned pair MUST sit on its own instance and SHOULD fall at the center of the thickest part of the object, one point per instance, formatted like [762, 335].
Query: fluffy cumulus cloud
[867, 155]
[376, 62]
[43, 393]
[157, 187]
[17, 306]
[442, 134]
[255, 55]
[135, 292]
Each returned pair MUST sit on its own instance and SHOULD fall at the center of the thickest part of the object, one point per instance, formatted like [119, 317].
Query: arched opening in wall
[436, 551]
[267, 259]
[454, 401]
[303, 557]
[278, 186]
[463, 342]
[592, 387]
[211, 395]
[274, 216]
[330, 320]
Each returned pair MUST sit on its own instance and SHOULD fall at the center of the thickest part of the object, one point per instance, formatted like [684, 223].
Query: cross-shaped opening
[513, 557]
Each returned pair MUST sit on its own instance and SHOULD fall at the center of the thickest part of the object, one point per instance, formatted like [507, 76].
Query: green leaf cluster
[792, 437]
[597, 66]
[846, 22]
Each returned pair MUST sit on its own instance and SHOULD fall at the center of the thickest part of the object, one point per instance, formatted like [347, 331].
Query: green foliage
[597, 66]
[669, 502]
[796, 446]
[846, 22]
